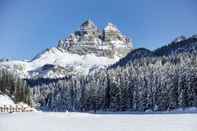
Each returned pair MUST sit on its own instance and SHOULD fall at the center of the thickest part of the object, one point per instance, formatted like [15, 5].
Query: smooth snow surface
[5, 100]
[100, 122]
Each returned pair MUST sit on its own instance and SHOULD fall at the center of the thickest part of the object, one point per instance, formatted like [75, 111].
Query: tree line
[14, 87]
[148, 83]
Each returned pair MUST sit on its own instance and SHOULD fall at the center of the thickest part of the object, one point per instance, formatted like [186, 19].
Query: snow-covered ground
[6, 100]
[39, 121]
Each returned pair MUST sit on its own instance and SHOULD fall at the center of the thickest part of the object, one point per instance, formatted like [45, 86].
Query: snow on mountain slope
[78, 54]
[67, 62]
[62, 58]
[55, 63]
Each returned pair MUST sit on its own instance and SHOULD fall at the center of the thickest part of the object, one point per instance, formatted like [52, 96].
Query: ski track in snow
[39, 121]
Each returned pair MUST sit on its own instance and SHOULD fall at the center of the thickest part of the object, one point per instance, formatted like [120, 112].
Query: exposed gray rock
[82, 52]
[89, 39]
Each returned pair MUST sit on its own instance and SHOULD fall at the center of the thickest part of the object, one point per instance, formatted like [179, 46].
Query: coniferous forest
[159, 80]
[14, 87]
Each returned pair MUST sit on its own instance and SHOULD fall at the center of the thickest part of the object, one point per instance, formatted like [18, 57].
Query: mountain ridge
[90, 39]
[80, 53]
[179, 45]
[134, 55]
[142, 81]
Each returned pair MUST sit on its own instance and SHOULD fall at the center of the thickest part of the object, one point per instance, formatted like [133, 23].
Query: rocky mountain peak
[111, 28]
[88, 25]
[89, 39]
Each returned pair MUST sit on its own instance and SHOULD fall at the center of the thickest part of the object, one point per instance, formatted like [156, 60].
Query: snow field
[40, 121]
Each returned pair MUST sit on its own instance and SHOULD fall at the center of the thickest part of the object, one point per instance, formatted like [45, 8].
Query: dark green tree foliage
[14, 87]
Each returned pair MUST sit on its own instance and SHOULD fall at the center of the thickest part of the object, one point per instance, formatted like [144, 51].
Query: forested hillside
[14, 87]
[159, 80]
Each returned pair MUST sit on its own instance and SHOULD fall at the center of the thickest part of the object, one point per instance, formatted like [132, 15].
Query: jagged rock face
[89, 27]
[89, 39]
[81, 53]
[111, 33]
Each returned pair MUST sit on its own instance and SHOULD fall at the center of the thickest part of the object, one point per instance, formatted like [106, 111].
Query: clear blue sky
[27, 27]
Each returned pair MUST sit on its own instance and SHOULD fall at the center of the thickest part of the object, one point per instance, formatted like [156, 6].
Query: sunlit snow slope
[54, 63]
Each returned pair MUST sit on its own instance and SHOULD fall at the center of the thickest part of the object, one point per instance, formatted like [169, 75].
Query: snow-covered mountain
[180, 45]
[164, 79]
[86, 49]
